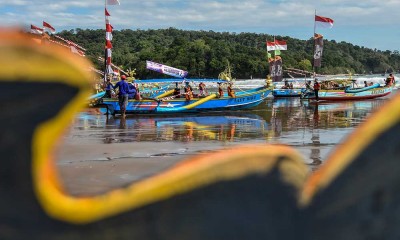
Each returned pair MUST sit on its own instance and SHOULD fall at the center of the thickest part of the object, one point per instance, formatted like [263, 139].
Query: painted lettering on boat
[380, 91]
[245, 99]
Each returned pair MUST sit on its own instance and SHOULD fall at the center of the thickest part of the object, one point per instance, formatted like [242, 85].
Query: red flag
[46, 25]
[323, 21]
[36, 30]
[106, 12]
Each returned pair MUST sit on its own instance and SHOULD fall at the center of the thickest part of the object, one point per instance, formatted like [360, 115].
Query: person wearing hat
[123, 92]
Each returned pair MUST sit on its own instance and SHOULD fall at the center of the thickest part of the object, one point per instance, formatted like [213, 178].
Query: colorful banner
[318, 49]
[278, 76]
[166, 69]
[271, 62]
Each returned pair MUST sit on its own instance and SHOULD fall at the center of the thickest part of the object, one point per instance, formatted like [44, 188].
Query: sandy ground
[89, 169]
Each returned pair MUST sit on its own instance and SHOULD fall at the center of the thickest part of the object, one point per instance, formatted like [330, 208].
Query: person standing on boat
[123, 92]
[317, 86]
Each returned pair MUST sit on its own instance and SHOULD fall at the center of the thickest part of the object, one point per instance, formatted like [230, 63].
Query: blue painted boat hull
[287, 92]
[356, 90]
[342, 95]
[243, 100]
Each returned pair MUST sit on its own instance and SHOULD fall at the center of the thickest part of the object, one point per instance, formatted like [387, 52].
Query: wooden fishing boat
[295, 92]
[288, 88]
[350, 94]
[170, 104]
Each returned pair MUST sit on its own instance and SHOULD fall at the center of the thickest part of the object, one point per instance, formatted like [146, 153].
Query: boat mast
[313, 42]
[105, 49]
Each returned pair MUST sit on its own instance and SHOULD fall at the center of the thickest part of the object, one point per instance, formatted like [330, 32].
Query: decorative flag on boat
[318, 49]
[278, 75]
[36, 30]
[323, 22]
[108, 45]
[271, 62]
[175, 72]
[48, 26]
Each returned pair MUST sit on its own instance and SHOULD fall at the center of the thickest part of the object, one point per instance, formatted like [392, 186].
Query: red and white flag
[113, 2]
[48, 26]
[280, 45]
[276, 45]
[36, 30]
[323, 22]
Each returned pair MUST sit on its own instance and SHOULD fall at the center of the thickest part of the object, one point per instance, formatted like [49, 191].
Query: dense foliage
[207, 53]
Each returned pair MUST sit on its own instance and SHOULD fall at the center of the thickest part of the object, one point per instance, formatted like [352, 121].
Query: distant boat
[350, 94]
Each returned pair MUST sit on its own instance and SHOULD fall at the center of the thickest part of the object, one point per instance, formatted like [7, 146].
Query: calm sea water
[99, 153]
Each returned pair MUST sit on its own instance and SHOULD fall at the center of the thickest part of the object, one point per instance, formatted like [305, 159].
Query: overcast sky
[369, 23]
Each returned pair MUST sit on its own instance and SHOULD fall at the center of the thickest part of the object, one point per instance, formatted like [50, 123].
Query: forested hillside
[206, 53]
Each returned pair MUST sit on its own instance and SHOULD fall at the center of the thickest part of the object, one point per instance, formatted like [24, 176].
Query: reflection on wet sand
[315, 128]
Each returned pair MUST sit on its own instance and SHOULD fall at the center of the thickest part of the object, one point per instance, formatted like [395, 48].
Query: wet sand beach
[100, 153]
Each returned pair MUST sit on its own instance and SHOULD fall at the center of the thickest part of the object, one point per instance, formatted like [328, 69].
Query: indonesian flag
[323, 21]
[113, 2]
[276, 45]
[280, 45]
[36, 30]
[116, 72]
[48, 26]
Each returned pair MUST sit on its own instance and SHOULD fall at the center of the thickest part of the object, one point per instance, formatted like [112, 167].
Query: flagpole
[313, 42]
[105, 49]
